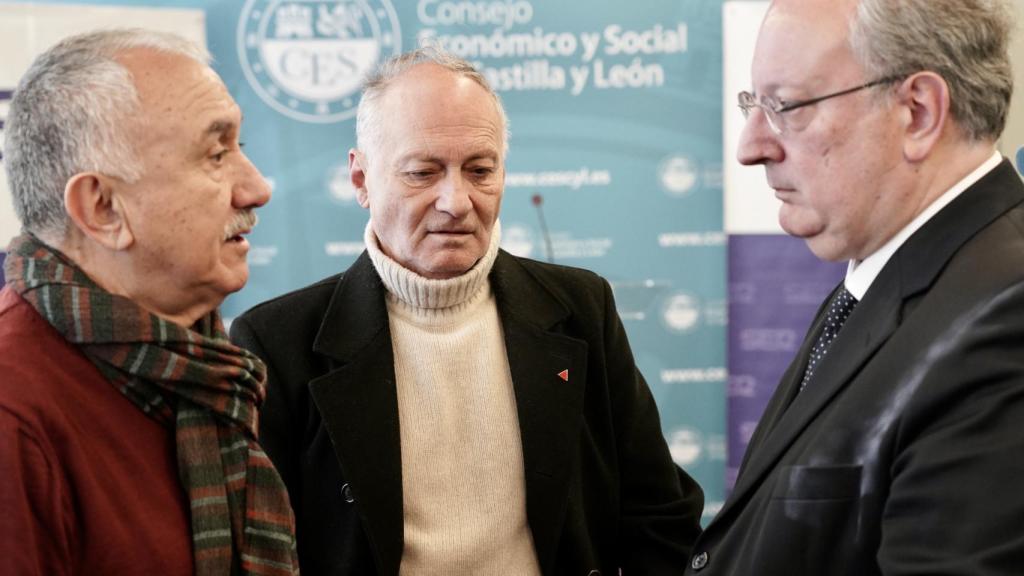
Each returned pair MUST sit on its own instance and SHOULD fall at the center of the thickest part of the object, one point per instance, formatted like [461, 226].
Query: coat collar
[356, 313]
[359, 301]
[522, 297]
[912, 270]
[359, 406]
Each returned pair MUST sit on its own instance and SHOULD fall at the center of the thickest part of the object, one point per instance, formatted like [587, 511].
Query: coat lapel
[358, 401]
[549, 375]
[909, 272]
[359, 406]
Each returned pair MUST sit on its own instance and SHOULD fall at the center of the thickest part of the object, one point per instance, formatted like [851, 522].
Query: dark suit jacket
[905, 453]
[601, 489]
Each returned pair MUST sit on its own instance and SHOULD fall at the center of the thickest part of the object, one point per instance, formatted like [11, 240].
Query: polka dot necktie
[838, 311]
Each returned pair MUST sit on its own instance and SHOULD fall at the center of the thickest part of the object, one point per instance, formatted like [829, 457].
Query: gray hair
[964, 41]
[70, 114]
[376, 83]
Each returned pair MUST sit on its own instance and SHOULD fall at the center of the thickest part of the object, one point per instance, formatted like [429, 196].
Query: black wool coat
[602, 492]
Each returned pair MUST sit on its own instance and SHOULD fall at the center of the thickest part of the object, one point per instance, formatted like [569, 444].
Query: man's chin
[826, 248]
[235, 281]
[798, 227]
[823, 246]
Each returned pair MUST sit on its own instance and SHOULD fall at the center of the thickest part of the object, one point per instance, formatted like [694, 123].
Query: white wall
[28, 29]
[750, 205]
[1013, 137]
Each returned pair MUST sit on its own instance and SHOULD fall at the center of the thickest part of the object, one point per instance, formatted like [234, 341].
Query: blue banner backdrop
[616, 129]
[616, 121]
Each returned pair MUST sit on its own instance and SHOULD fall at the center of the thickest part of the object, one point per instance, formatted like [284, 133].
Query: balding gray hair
[964, 41]
[368, 117]
[71, 113]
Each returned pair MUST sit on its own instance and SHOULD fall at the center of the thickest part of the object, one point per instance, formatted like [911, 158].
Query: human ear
[357, 176]
[92, 203]
[925, 97]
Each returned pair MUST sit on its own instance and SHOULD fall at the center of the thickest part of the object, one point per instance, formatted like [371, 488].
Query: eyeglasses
[773, 109]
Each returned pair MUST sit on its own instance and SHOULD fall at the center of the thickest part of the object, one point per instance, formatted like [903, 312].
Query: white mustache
[243, 221]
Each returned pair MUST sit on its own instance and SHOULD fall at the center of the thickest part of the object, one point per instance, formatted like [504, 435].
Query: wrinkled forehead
[430, 85]
[803, 44]
[179, 96]
[169, 81]
[429, 100]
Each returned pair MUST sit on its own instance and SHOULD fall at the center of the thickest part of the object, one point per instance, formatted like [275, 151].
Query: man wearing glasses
[893, 444]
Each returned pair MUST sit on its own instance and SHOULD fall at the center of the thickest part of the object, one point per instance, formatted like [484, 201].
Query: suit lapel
[869, 326]
[549, 406]
[910, 271]
[359, 406]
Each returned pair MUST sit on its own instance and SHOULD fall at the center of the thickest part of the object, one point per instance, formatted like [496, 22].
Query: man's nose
[758, 144]
[453, 195]
[251, 189]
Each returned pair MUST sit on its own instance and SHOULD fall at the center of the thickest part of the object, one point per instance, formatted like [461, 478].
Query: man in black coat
[893, 443]
[443, 407]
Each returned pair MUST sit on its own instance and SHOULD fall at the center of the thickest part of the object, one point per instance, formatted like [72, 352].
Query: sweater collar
[420, 292]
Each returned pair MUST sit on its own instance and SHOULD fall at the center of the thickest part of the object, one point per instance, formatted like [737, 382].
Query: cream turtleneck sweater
[463, 484]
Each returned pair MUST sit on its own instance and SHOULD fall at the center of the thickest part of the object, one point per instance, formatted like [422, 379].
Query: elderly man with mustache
[127, 419]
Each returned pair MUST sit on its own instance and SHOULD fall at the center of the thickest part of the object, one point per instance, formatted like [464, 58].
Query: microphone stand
[537, 201]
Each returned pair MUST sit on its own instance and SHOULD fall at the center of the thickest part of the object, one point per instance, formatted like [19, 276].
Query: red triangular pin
[564, 374]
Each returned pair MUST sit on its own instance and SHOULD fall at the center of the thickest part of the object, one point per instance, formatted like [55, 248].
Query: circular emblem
[307, 58]
[681, 312]
[685, 445]
[678, 174]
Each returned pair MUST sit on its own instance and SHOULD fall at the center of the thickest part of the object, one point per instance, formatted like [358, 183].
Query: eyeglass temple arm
[802, 103]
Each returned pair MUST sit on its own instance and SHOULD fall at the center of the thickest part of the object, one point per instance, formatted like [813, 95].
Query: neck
[916, 186]
[951, 162]
[114, 272]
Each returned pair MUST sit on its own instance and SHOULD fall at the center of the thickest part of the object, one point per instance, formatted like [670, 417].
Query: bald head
[370, 124]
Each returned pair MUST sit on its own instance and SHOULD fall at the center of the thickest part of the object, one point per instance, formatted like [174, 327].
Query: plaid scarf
[192, 379]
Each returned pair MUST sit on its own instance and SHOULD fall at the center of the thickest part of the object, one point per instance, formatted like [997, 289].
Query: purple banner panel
[775, 286]
[2, 256]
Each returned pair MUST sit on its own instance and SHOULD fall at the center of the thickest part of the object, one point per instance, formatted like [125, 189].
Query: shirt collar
[861, 273]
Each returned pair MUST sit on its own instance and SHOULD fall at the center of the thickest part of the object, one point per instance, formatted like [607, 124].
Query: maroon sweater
[88, 483]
